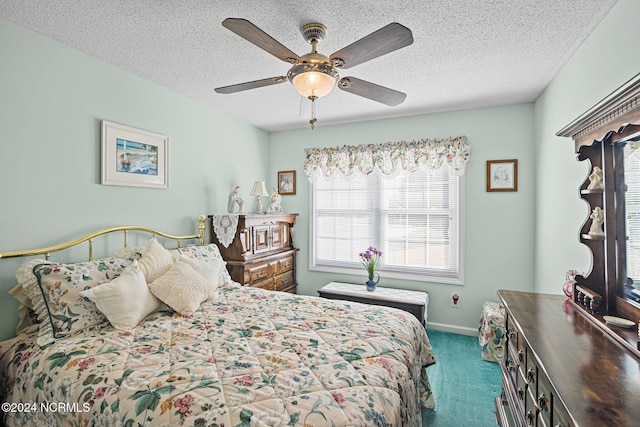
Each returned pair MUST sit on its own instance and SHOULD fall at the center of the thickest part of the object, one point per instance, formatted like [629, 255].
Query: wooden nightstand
[414, 302]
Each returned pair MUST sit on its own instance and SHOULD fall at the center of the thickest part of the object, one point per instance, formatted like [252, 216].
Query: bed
[243, 357]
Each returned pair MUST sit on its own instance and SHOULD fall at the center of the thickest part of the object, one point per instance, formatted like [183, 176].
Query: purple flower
[369, 259]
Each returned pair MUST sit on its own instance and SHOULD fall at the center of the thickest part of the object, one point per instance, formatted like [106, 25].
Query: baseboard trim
[462, 330]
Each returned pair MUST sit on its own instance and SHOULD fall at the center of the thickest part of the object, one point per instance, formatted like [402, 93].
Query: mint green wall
[52, 100]
[607, 59]
[499, 227]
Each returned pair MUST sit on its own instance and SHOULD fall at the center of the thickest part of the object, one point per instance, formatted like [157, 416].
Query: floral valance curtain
[390, 158]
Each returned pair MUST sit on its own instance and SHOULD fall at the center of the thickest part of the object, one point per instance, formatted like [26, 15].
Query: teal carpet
[464, 385]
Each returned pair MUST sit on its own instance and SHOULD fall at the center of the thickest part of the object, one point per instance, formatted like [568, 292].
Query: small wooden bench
[414, 302]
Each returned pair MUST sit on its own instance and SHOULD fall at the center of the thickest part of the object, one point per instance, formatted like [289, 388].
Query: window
[632, 209]
[415, 220]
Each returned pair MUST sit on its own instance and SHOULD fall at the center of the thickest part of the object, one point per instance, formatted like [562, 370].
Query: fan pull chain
[313, 120]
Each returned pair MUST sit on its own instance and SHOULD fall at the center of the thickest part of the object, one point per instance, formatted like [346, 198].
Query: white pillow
[155, 261]
[125, 300]
[181, 288]
[208, 270]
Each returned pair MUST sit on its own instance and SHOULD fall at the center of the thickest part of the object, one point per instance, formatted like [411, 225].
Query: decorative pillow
[208, 270]
[26, 315]
[155, 261]
[181, 288]
[209, 253]
[133, 252]
[61, 310]
[126, 300]
[26, 281]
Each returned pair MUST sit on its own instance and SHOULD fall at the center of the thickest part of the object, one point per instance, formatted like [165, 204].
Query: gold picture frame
[502, 175]
[287, 182]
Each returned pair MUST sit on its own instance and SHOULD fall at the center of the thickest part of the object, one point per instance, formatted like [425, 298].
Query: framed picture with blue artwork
[133, 157]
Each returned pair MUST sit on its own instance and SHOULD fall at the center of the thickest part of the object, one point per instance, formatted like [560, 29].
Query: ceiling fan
[314, 75]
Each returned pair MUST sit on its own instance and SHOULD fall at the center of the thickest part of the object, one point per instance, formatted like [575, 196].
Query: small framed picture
[133, 157]
[502, 175]
[286, 182]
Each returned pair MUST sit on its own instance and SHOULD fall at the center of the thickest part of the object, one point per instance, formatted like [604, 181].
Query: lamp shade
[259, 189]
[313, 80]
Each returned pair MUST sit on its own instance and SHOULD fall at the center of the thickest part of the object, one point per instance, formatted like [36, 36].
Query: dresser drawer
[264, 284]
[258, 272]
[285, 264]
[283, 281]
[560, 416]
[511, 366]
[544, 400]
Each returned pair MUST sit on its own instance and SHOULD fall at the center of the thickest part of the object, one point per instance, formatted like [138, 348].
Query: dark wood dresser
[563, 370]
[262, 252]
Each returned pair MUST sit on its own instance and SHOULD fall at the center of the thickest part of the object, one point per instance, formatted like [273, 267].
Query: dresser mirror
[630, 254]
[607, 137]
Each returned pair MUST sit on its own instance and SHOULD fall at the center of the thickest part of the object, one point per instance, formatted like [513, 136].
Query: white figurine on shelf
[597, 217]
[241, 204]
[233, 205]
[275, 202]
[595, 179]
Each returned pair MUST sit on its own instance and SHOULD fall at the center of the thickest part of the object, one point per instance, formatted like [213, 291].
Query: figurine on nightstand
[275, 202]
[597, 217]
[233, 204]
[595, 179]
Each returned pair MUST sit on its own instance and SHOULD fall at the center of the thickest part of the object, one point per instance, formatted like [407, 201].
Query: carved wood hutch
[564, 364]
[261, 253]
[600, 136]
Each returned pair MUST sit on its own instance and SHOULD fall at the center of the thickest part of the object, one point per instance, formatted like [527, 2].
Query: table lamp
[259, 189]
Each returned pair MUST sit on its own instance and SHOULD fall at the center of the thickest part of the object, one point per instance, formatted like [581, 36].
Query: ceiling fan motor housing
[314, 32]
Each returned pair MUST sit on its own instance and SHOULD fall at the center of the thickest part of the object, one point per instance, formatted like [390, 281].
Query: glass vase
[372, 283]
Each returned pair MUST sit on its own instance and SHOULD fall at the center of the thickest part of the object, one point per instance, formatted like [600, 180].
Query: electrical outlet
[456, 300]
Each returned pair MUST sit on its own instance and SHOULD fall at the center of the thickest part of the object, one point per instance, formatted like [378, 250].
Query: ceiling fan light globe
[313, 80]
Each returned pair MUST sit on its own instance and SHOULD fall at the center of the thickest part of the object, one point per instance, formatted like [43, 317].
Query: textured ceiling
[466, 53]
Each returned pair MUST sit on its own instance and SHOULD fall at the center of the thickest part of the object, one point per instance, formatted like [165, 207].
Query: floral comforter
[251, 358]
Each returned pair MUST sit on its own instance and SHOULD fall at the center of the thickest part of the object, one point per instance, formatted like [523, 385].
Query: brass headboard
[89, 238]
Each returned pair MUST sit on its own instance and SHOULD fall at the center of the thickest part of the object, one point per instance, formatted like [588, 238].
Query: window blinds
[413, 218]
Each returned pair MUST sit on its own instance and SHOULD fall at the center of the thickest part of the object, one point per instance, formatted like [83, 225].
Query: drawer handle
[542, 402]
[512, 333]
[285, 281]
[521, 356]
[520, 393]
[530, 375]
[260, 274]
[529, 418]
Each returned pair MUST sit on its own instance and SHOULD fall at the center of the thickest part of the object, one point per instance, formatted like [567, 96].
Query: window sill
[362, 275]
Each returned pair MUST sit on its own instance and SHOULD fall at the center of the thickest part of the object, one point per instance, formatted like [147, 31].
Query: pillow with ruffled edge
[155, 261]
[61, 310]
[181, 288]
[209, 253]
[125, 300]
[209, 270]
[28, 320]
[133, 252]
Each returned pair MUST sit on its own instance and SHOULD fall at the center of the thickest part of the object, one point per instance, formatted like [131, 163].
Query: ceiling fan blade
[372, 91]
[251, 85]
[264, 41]
[387, 39]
